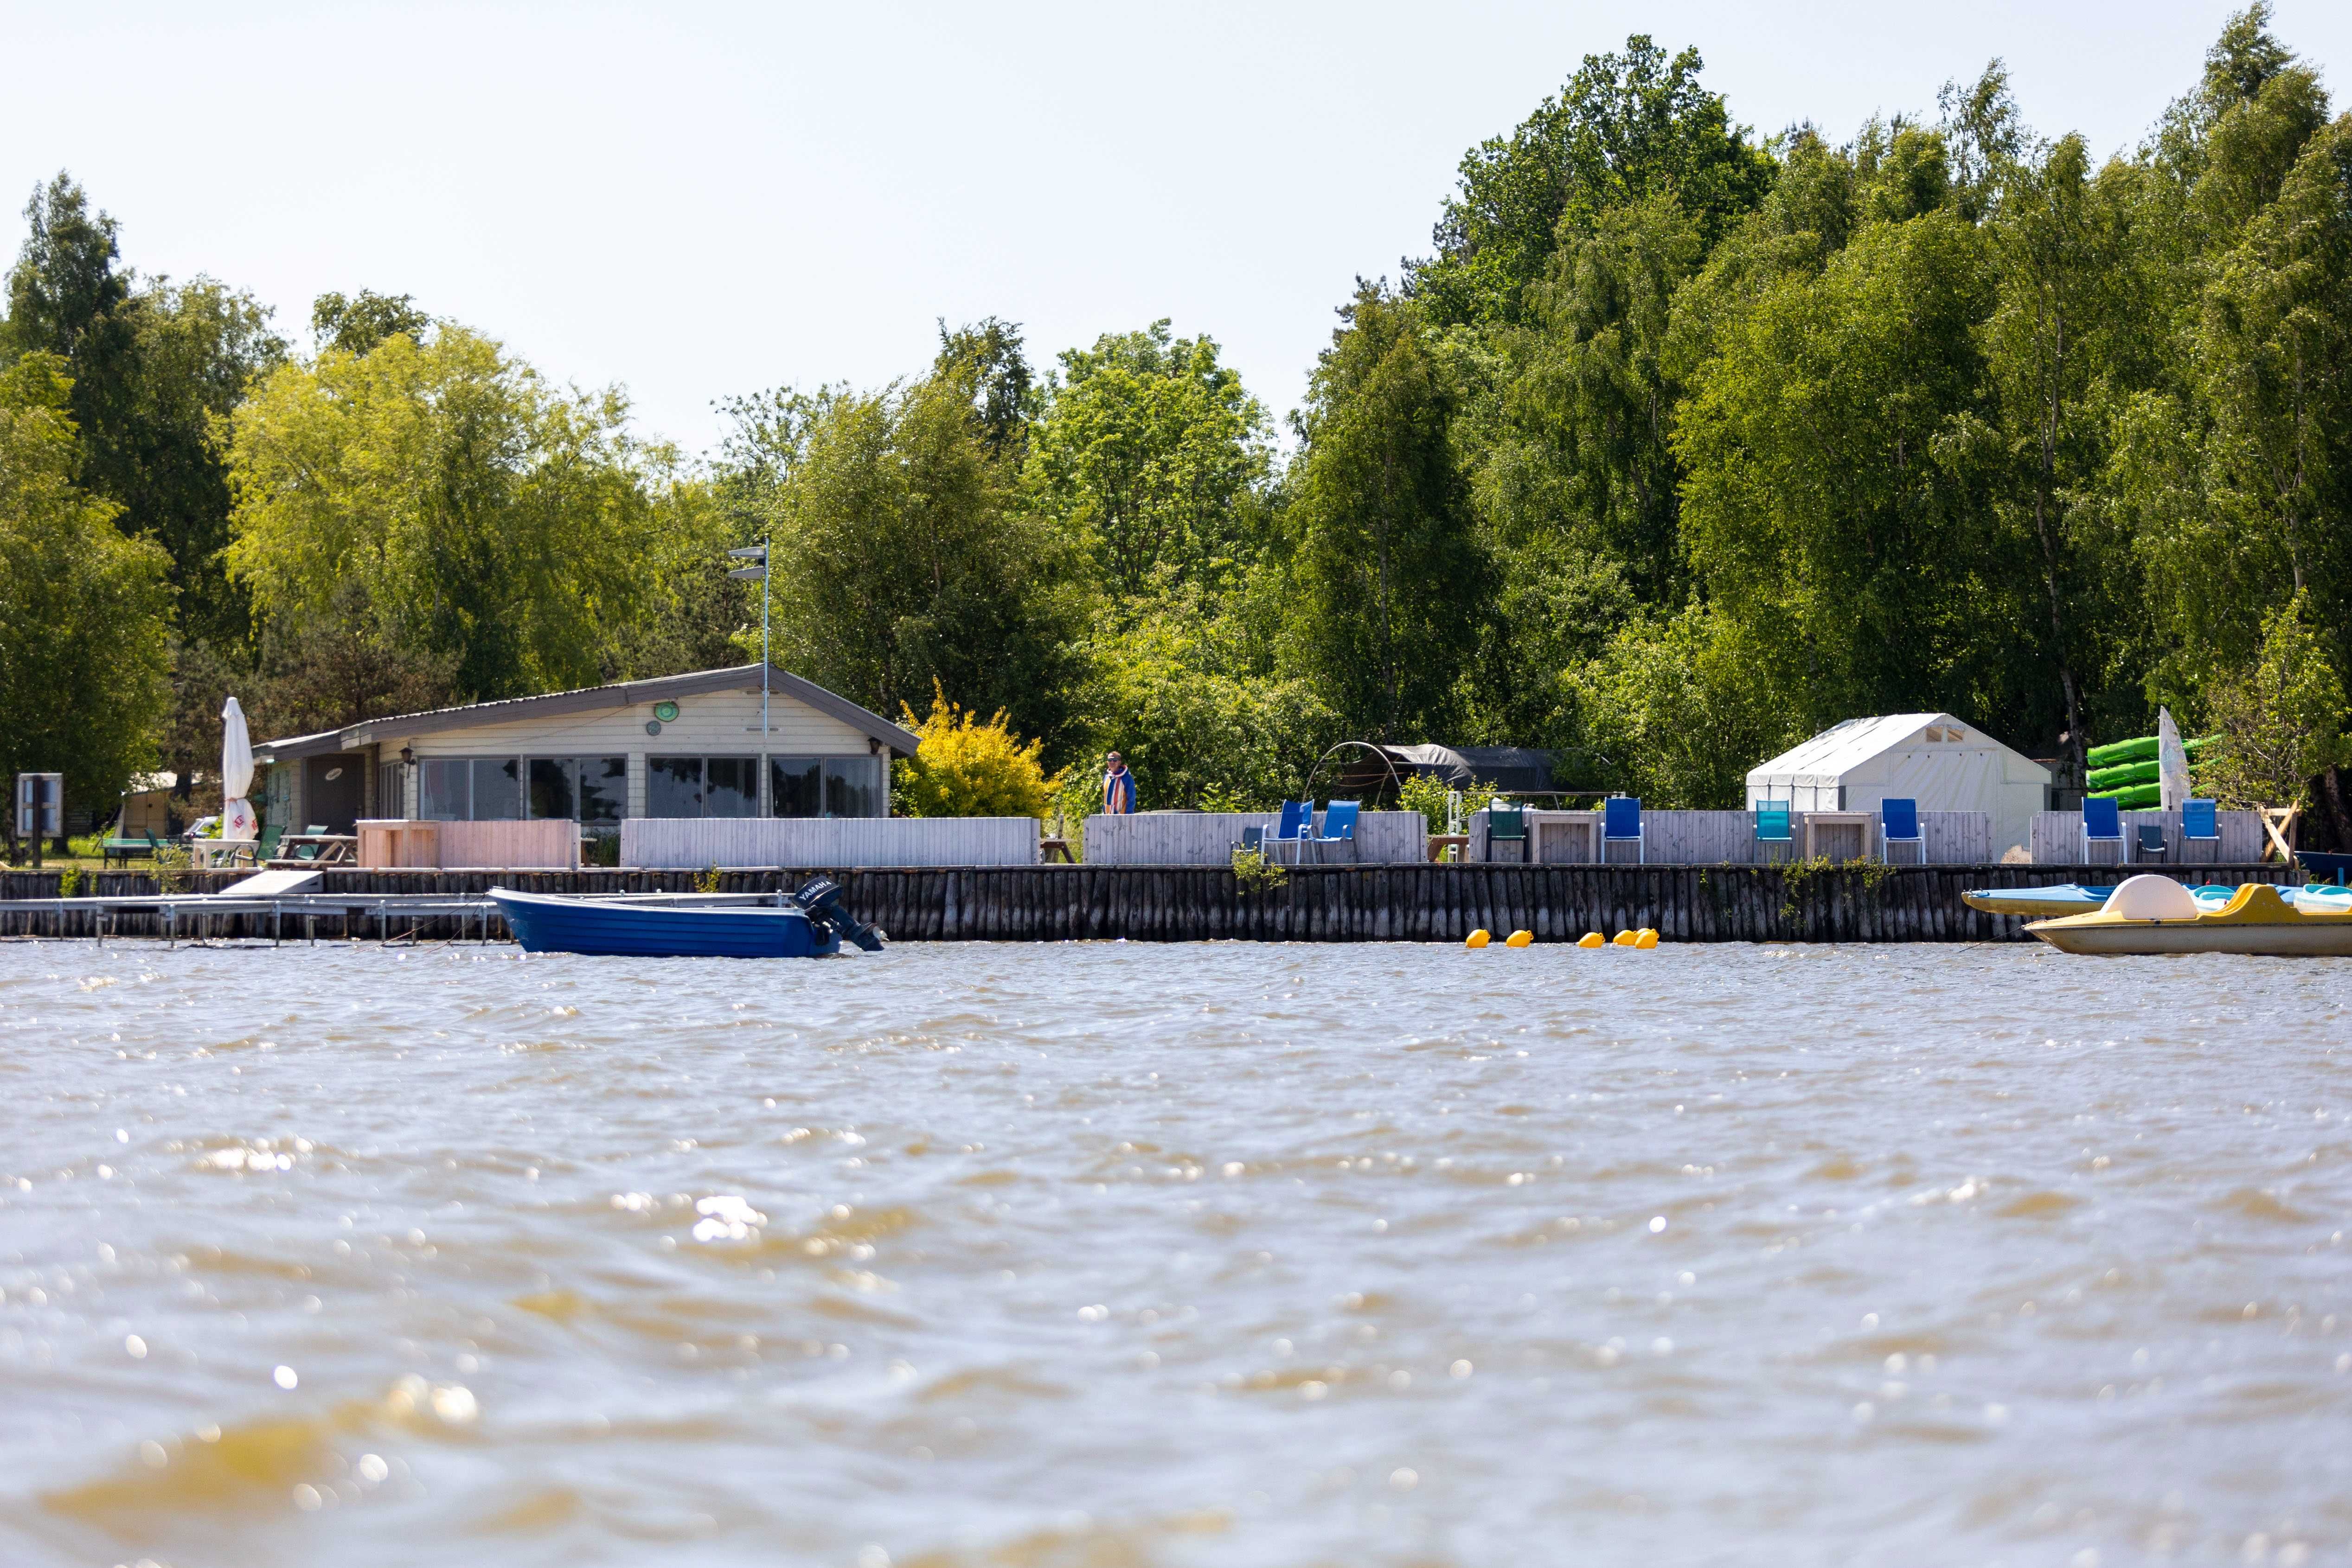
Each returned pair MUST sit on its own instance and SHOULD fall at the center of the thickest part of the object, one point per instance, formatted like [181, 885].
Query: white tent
[1939, 761]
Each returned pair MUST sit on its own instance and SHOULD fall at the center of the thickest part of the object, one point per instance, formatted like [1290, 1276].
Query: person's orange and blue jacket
[1118, 789]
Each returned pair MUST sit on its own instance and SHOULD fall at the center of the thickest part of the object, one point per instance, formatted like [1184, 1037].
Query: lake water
[1110, 1255]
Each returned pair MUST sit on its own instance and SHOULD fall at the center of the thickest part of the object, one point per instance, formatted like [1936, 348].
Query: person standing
[1119, 787]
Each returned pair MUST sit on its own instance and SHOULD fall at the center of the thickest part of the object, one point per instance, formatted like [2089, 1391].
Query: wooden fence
[547, 843]
[692, 843]
[1716, 838]
[1401, 903]
[1207, 838]
[2058, 838]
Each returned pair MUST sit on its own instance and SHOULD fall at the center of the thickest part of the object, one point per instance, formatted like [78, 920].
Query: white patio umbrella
[238, 821]
[2171, 762]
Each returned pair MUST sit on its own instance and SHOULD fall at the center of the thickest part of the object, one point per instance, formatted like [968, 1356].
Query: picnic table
[121, 847]
[1441, 842]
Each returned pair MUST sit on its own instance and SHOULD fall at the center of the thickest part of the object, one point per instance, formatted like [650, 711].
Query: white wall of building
[710, 724]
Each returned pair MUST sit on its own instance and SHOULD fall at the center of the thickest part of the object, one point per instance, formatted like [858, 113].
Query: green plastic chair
[1507, 824]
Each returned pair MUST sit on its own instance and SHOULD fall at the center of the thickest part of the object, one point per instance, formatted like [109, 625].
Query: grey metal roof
[591, 699]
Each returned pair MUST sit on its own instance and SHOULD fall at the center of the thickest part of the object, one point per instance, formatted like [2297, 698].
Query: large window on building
[469, 789]
[828, 787]
[796, 786]
[854, 787]
[702, 786]
[591, 790]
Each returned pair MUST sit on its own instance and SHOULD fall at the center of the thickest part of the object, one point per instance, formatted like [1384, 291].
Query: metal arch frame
[1380, 751]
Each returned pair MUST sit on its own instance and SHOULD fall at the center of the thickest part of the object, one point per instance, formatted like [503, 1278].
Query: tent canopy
[1507, 768]
[1946, 764]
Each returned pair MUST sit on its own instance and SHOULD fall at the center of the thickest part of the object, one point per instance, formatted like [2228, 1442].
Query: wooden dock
[1401, 903]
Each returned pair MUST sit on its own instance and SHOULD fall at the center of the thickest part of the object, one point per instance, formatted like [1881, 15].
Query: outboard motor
[820, 899]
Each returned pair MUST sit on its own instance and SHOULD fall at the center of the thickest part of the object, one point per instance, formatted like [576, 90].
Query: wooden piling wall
[1401, 902]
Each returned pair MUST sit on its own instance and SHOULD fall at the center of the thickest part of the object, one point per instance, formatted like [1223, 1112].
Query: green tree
[1623, 128]
[1149, 450]
[1676, 710]
[1389, 579]
[1983, 138]
[1596, 395]
[155, 367]
[991, 358]
[481, 513]
[358, 325]
[899, 558]
[1833, 510]
[1197, 732]
[2057, 249]
[2280, 720]
[85, 630]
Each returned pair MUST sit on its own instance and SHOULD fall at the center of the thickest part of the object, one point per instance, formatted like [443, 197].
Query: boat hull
[2313, 940]
[2067, 899]
[546, 925]
[2150, 916]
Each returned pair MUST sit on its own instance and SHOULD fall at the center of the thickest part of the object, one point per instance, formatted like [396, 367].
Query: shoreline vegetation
[1683, 442]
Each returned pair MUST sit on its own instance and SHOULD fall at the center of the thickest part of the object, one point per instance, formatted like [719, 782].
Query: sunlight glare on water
[1113, 1254]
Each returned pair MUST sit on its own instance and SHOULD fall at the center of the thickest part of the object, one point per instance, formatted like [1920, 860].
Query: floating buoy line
[1643, 939]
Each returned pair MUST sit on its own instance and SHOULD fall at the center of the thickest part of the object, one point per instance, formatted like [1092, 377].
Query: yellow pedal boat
[2157, 914]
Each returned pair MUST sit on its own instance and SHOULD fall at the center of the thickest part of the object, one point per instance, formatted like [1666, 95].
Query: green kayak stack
[2125, 771]
[2122, 774]
[2121, 751]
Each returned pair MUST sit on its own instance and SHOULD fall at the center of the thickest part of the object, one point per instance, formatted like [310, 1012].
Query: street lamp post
[758, 574]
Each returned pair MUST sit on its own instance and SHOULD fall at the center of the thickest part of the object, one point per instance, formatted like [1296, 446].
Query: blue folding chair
[1297, 826]
[1339, 827]
[2201, 824]
[1620, 822]
[1775, 825]
[1898, 823]
[2102, 824]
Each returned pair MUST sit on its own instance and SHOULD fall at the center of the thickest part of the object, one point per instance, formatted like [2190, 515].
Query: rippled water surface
[1088, 1256]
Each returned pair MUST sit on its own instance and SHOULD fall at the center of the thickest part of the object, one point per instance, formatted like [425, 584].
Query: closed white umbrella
[238, 821]
[2171, 762]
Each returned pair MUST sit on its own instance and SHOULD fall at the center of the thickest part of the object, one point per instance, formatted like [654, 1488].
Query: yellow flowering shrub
[964, 767]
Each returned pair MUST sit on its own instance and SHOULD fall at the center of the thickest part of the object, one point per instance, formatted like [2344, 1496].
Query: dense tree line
[1680, 446]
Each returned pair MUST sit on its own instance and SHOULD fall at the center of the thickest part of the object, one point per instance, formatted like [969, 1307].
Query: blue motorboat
[810, 924]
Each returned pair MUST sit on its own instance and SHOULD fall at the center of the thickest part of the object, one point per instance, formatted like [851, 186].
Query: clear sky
[697, 201]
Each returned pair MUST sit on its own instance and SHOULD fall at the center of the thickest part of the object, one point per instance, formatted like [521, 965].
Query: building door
[333, 787]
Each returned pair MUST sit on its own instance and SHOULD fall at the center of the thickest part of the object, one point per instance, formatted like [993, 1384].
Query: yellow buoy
[1478, 938]
[1645, 938]
[1518, 939]
[1591, 939]
[1626, 938]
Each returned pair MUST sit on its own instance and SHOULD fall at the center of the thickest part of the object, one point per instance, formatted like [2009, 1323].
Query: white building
[1934, 758]
[681, 746]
